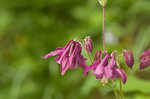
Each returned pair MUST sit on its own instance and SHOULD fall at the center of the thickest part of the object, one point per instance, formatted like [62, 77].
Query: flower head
[112, 71]
[68, 57]
[88, 44]
[145, 59]
[107, 69]
[99, 71]
[128, 58]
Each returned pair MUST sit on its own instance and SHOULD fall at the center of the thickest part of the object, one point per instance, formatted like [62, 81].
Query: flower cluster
[104, 65]
[106, 68]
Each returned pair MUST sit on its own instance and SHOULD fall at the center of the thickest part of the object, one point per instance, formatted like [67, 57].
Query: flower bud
[128, 58]
[102, 2]
[145, 59]
[88, 44]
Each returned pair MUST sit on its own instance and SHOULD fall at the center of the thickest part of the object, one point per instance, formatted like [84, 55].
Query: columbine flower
[88, 44]
[68, 57]
[99, 71]
[145, 59]
[107, 70]
[112, 72]
[128, 58]
[97, 60]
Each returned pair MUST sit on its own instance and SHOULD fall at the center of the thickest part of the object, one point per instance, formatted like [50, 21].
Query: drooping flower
[145, 59]
[112, 71]
[88, 44]
[68, 57]
[99, 71]
[128, 58]
[108, 70]
[97, 60]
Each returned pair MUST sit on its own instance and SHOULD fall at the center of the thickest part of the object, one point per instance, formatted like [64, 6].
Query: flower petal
[100, 68]
[108, 72]
[121, 73]
[58, 51]
[145, 53]
[64, 65]
[110, 68]
[65, 52]
[73, 58]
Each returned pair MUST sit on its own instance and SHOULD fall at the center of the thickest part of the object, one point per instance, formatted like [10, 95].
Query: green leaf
[136, 84]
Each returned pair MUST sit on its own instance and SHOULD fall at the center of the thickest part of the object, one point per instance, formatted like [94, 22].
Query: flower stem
[116, 94]
[121, 92]
[114, 91]
[103, 27]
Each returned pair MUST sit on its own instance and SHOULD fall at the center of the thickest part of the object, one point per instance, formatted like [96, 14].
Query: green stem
[114, 91]
[103, 28]
[121, 92]
[116, 94]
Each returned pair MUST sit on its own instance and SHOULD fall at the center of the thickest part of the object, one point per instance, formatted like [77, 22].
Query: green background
[31, 28]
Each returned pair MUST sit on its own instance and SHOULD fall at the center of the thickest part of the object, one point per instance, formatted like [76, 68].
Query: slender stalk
[121, 92]
[114, 91]
[116, 94]
[103, 27]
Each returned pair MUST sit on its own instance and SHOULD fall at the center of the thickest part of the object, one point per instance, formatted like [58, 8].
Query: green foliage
[31, 28]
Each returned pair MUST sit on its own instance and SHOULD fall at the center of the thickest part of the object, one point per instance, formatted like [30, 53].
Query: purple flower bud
[88, 44]
[145, 59]
[68, 57]
[128, 58]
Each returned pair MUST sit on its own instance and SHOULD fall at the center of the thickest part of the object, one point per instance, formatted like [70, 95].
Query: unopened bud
[88, 44]
[128, 58]
[145, 59]
[102, 2]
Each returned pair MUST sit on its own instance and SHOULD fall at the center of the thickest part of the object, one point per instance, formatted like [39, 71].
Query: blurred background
[31, 28]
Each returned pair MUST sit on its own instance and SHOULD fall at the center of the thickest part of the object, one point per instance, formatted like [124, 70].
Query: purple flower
[145, 59]
[108, 70]
[112, 72]
[68, 57]
[88, 44]
[128, 58]
[97, 60]
[99, 71]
